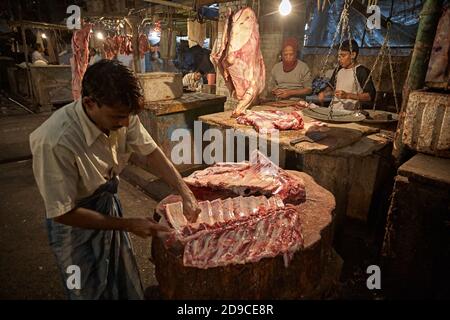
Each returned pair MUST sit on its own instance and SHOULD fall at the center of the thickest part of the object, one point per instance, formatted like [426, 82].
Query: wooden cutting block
[313, 271]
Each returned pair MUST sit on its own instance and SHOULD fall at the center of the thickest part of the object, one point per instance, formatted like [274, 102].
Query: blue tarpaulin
[404, 17]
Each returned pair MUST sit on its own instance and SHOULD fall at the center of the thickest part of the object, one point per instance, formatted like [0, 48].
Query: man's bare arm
[160, 166]
[90, 219]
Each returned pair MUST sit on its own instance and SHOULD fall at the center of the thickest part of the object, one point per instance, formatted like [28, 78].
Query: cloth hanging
[196, 33]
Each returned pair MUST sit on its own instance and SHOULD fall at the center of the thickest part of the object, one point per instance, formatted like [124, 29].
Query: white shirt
[190, 82]
[36, 56]
[72, 157]
[346, 81]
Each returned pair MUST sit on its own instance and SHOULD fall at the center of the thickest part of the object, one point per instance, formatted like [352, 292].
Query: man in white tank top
[348, 80]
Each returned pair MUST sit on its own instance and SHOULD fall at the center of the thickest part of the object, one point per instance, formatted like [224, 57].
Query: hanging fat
[168, 43]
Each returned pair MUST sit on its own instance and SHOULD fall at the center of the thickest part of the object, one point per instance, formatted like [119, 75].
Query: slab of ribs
[248, 213]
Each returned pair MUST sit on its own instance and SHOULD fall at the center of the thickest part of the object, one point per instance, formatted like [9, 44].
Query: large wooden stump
[312, 272]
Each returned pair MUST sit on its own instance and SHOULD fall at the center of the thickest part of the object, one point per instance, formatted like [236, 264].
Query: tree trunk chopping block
[313, 271]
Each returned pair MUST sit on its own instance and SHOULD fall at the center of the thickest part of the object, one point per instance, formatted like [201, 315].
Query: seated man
[193, 81]
[349, 91]
[290, 77]
[37, 57]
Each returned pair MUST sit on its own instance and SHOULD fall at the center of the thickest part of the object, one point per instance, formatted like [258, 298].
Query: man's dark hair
[346, 46]
[110, 83]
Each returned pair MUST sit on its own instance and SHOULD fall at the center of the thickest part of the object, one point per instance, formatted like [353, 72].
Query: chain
[355, 78]
[379, 76]
[322, 71]
[392, 79]
[342, 26]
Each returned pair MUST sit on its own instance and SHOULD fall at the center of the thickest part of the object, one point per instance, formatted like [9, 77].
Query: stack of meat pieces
[258, 177]
[238, 58]
[238, 229]
[80, 60]
[272, 120]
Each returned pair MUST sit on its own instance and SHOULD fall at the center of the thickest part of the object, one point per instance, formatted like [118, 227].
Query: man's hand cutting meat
[162, 167]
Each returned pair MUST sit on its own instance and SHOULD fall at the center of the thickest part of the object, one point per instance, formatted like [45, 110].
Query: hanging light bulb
[99, 36]
[285, 7]
[44, 36]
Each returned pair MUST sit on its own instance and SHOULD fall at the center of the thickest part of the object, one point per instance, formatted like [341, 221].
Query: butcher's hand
[144, 227]
[282, 93]
[322, 96]
[191, 209]
[342, 94]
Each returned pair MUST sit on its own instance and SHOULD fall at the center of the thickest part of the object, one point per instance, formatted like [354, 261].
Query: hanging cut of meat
[110, 48]
[239, 58]
[80, 60]
[128, 45]
[272, 120]
[143, 44]
[258, 177]
[235, 231]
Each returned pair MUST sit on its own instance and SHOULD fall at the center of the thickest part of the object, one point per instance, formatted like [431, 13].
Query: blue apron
[105, 258]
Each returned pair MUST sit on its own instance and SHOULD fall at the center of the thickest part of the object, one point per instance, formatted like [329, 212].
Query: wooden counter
[352, 161]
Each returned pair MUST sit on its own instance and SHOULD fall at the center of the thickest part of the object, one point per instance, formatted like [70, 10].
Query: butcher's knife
[309, 137]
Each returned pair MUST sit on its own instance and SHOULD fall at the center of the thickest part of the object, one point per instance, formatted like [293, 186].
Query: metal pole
[429, 19]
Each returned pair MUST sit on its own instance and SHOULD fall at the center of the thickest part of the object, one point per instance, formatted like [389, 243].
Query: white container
[159, 86]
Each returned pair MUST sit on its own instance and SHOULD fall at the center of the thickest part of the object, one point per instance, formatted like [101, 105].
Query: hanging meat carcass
[110, 48]
[143, 45]
[239, 59]
[80, 60]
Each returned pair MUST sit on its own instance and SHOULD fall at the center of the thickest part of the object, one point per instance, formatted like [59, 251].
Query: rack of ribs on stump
[255, 238]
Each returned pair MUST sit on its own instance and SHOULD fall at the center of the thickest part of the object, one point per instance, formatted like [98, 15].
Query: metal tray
[379, 112]
[322, 114]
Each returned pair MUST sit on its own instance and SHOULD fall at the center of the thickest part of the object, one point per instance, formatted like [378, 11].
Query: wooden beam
[40, 25]
[209, 2]
[170, 4]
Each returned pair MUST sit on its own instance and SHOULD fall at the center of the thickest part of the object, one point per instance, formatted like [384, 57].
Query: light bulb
[44, 36]
[99, 36]
[285, 7]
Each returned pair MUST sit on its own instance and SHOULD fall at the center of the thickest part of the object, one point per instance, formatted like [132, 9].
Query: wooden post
[135, 43]
[429, 19]
[25, 49]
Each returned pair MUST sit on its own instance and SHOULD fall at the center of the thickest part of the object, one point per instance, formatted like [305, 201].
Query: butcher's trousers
[96, 264]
